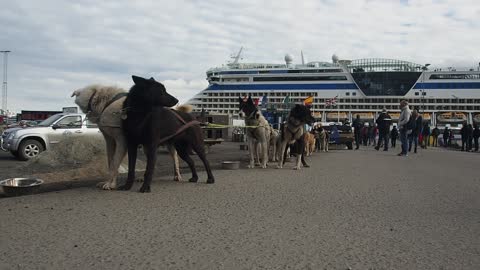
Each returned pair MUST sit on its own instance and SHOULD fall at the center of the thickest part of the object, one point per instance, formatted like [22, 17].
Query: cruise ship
[445, 96]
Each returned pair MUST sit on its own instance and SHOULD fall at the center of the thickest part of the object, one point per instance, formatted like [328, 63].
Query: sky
[60, 46]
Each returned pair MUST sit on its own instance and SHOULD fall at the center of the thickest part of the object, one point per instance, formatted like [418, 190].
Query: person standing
[446, 136]
[463, 134]
[476, 135]
[435, 133]
[383, 123]
[469, 137]
[416, 131]
[425, 136]
[402, 125]
[394, 136]
[357, 128]
[365, 134]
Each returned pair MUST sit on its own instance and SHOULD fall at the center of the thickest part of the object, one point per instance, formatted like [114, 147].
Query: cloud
[58, 46]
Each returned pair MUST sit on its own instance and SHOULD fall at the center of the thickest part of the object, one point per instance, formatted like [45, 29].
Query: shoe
[385, 149]
[377, 148]
[400, 154]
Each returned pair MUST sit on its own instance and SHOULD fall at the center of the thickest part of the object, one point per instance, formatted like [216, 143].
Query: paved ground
[353, 209]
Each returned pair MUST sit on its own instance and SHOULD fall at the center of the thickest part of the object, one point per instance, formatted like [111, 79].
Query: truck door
[70, 125]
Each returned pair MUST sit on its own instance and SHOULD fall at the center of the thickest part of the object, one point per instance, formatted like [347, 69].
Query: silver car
[26, 143]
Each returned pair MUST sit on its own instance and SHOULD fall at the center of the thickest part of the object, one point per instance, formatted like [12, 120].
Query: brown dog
[309, 143]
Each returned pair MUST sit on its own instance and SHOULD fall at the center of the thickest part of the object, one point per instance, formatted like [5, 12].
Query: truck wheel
[29, 149]
[349, 145]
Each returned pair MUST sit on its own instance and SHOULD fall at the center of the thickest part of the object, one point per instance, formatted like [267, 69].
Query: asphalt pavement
[350, 210]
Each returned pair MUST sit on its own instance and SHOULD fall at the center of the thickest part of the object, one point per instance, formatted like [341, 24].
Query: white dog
[103, 106]
[258, 131]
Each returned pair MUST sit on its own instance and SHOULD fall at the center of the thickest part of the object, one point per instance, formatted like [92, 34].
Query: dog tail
[186, 108]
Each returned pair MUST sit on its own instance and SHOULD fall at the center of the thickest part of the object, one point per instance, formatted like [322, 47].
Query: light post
[424, 69]
[4, 84]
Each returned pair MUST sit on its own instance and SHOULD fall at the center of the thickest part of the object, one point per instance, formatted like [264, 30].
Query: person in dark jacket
[425, 136]
[469, 138]
[435, 134]
[357, 128]
[446, 136]
[383, 123]
[416, 131]
[463, 134]
[394, 136]
[476, 135]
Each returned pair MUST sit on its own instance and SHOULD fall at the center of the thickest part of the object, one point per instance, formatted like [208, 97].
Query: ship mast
[237, 58]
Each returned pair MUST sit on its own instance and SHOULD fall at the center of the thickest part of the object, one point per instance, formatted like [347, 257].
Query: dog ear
[257, 115]
[75, 93]
[152, 79]
[138, 80]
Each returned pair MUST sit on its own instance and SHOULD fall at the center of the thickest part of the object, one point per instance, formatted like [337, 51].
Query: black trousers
[358, 139]
[435, 141]
[383, 138]
[475, 140]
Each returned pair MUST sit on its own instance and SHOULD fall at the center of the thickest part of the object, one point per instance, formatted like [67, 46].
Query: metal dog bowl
[231, 165]
[20, 186]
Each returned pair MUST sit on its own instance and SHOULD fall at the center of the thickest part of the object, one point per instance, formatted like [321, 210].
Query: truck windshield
[49, 121]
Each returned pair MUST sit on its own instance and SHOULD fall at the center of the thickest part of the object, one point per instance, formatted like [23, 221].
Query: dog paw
[279, 166]
[210, 180]
[193, 180]
[101, 184]
[264, 166]
[106, 186]
[144, 189]
[296, 168]
[306, 166]
[125, 187]
[251, 166]
[177, 178]
[140, 180]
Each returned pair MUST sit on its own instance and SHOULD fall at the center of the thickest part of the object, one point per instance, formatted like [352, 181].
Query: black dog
[149, 122]
[292, 134]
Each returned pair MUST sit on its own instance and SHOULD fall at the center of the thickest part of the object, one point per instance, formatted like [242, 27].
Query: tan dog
[309, 143]
[258, 131]
[103, 106]
[274, 138]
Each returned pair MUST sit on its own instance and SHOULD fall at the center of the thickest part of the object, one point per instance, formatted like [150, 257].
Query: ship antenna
[303, 59]
[238, 56]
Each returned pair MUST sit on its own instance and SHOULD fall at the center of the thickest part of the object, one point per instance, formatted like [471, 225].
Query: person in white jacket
[402, 126]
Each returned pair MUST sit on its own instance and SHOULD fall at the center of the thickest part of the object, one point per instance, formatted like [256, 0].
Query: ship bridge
[384, 77]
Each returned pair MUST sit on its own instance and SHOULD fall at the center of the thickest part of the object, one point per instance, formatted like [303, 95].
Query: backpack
[411, 123]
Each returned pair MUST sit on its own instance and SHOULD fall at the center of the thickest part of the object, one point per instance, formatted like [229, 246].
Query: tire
[29, 149]
[349, 145]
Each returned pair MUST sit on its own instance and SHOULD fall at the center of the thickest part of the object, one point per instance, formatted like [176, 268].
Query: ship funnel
[288, 59]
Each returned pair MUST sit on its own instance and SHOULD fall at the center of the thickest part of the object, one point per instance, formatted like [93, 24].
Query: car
[28, 142]
[343, 135]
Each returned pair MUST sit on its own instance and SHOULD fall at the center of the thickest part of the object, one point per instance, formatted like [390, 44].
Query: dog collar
[89, 107]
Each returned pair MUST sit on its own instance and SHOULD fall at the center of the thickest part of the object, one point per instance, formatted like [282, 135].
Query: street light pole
[4, 84]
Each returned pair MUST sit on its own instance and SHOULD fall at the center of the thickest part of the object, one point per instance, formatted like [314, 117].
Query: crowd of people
[412, 131]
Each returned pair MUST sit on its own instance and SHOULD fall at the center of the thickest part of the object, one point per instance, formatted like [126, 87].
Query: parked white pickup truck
[26, 143]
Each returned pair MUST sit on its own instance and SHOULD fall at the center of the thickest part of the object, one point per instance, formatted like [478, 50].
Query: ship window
[416, 93]
[354, 94]
[305, 78]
